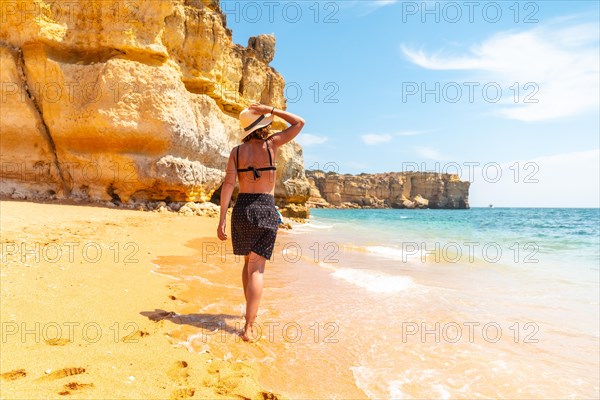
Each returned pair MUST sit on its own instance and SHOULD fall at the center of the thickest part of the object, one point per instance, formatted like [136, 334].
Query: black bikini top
[255, 170]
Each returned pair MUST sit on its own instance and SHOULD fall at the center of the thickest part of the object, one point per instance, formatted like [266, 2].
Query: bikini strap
[269, 151]
[237, 166]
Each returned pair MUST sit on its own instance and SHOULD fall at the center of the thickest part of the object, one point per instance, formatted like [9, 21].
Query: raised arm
[296, 124]
[226, 192]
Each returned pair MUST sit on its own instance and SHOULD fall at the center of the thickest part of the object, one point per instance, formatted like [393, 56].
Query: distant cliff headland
[387, 190]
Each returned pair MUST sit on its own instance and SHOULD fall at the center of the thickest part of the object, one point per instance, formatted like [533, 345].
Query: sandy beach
[84, 315]
[101, 302]
[435, 166]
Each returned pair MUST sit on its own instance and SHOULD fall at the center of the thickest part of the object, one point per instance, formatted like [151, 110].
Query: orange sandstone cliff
[387, 190]
[130, 101]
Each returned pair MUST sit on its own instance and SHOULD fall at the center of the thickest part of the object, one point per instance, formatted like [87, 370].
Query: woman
[254, 220]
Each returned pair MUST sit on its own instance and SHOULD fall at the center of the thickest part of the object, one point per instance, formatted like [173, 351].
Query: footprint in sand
[175, 298]
[14, 375]
[184, 393]
[268, 396]
[133, 337]
[227, 378]
[57, 342]
[62, 373]
[179, 371]
[73, 387]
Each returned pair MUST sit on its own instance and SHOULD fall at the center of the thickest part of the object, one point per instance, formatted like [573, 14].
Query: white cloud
[410, 133]
[430, 153]
[383, 3]
[307, 139]
[374, 138]
[369, 6]
[378, 138]
[561, 60]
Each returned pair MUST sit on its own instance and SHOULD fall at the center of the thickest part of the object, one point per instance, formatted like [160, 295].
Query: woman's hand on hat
[260, 108]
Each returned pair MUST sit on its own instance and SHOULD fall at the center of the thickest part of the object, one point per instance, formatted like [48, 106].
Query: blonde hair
[260, 133]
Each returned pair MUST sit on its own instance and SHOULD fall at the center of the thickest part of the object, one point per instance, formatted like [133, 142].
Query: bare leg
[245, 276]
[256, 267]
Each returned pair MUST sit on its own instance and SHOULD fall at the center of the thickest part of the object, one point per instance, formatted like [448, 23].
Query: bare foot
[248, 335]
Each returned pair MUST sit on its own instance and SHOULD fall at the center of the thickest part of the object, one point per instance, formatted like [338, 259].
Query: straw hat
[251, 121]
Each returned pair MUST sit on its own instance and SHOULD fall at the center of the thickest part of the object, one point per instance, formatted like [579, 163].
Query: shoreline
[84, 313]
[181, 290]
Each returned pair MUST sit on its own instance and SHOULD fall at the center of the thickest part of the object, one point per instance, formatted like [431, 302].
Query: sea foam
[374, 281]
[392, 253]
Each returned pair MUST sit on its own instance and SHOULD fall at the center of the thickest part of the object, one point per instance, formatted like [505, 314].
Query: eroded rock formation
[122, 100]
[387, 190]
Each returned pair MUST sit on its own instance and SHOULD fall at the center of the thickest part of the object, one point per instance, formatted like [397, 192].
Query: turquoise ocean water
[485, 302]
[421, 304]
[552, 234]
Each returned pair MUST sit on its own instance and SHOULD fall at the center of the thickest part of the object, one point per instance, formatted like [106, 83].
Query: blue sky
[506, 93]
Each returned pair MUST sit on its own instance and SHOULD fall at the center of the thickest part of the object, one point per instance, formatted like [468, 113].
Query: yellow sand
[86, 324]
